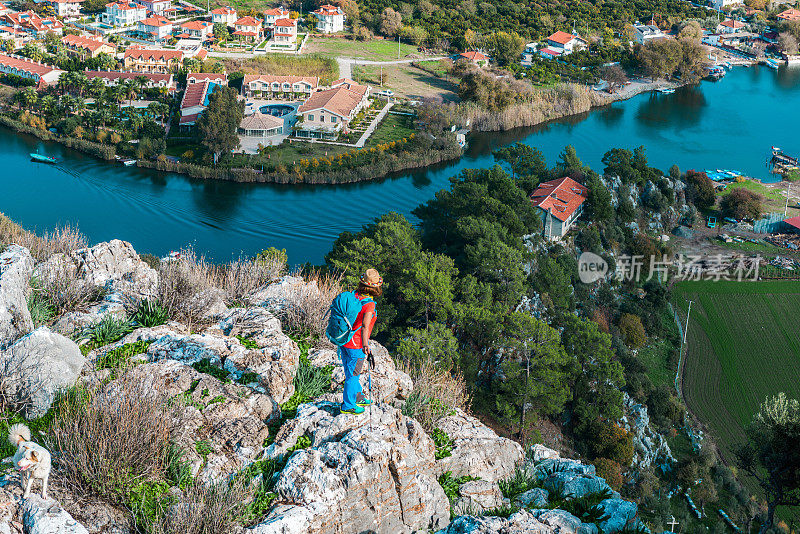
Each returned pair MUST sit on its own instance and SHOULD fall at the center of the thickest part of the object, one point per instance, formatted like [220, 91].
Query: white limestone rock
[16, 268]
[477, 496]
[48, 517]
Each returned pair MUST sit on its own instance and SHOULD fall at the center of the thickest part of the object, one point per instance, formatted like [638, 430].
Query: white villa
[328, 113]
[561, 44]
[285, 32]
[224, 15]
[248, 29]
[644, 33]
[560, 203]
[261, 125]
[123, 13]
[40, 73]
[65, 8]
[156, 6]
[271, 16]
[158, 27]
[330, 19]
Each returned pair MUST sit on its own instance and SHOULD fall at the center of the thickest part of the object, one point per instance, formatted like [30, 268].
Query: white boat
[666, 91]
[128, 162]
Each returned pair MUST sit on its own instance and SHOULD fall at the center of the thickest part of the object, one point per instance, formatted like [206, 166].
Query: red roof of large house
[66, 1]
[328, 10]
[730, 23]
[286, 23]
[561, 37]
[247, 21]
[224, 11]
[277, 11]
[30, 19]
[559, 197]
[793, 221]
[124, 6]
[156, 21]
[26, 65]
[87, 43]
[474, 56]
[340, 100]
[195, 94]
[150, 53]
[196, 25]
[789, 14]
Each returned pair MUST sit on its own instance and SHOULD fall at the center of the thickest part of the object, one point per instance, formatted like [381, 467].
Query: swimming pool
[277, 110]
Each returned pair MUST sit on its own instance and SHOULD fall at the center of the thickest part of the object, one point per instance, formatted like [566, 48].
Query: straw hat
[371, 278]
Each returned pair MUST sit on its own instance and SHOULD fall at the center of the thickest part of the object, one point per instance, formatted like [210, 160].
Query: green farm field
[743, 345]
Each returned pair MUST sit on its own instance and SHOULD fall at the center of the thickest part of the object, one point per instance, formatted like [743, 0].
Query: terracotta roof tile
[559, 197]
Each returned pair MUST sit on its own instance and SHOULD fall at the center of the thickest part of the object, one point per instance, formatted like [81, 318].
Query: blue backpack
[343, 315]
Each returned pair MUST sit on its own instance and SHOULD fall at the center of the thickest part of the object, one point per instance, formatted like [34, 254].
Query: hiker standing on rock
[350, 325]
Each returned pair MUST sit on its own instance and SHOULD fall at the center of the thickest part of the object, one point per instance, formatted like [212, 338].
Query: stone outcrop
[37, 367]
[388, 382]
[16, 267]
[533, 498]
[116, 265]
[477, 450]
[48, 517]
[572, 477]
[522, 522]
[227, 418]
[649, 447]
[112, 305]
[360, 474]
[478, 496]
[284, 293]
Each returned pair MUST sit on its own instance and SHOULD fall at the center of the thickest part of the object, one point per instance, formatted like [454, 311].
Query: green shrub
[150, 313]
[151, 260]
[303, 442]
[119, 359]
[203, 448]
[451, 484]
[247, 343]
[521, 481]
[504, 511]
[444, 445]
[178, 470]
[108, 330]
[40, 307]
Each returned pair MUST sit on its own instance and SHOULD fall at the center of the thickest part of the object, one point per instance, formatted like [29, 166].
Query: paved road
[346, 63]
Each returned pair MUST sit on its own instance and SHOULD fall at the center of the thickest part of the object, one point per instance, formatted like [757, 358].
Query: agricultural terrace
[285, 65]
[743, 345]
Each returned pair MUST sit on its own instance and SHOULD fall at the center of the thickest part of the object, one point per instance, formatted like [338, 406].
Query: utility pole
[398, 45]
[680, 354]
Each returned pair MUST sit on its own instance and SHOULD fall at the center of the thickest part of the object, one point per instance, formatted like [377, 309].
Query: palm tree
[47, 104]
[32, 51]
[81, 82]
[96, 87]
[27, 97]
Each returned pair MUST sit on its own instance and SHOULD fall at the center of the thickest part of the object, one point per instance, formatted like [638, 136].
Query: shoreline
[382, 168]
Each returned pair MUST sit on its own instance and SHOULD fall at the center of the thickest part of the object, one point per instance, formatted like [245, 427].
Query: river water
[727, 124]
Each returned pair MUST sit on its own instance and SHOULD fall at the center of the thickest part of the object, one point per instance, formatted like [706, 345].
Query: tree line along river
[727, 124]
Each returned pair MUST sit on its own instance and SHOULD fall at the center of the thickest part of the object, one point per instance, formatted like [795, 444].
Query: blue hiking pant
[352, 361]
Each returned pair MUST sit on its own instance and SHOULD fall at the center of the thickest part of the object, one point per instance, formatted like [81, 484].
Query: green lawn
[439, 67]
[391, 128]
[769, 193]
[746, 246]
[378, 49]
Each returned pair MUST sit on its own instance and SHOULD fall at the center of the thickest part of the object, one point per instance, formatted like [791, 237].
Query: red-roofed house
[32, 23]
[285, 33]
[564, 43]
[224, 15]
[14, 38]
[793, 224]
[197, 29]
[561, 203]
[730, 26]
[283, 87]
[113, 77]
[248, 29]
[473, 56]
[789, 14]
[84, 47]
[152, 60]
[197, 77]
[328, 113]
[123, 13]
[330, 19]
[156, 6]
[40, 73]
[65, 8]
[157, 27]
[195, 101]
[271, 16]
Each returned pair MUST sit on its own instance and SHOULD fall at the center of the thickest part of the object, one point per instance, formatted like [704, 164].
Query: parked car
[388, 93]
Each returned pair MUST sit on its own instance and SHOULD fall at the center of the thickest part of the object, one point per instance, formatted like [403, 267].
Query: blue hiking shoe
[358, 410]
[364, 402]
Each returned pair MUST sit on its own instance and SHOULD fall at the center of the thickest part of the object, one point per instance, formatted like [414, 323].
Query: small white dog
[32, 460]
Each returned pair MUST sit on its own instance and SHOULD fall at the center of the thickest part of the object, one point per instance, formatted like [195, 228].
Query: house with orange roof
[326, 114]
[219, 78]
[195, 101]
[560, 203]
[271, 16]
[43, 75]
[730, 26]
[17, 38]
[789, 14]
[156, 27]
[330, 19]
[123, 13]
[65, 8]
[152, 60]
[284, 34]
[249, 29]
[561, 44]
[224, 15]
[112, 78]
[84, 47]
[31, 22]
[196, 29]
[474, 57]
[279, 87]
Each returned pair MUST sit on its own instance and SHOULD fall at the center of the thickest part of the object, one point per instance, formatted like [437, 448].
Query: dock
[781, 162]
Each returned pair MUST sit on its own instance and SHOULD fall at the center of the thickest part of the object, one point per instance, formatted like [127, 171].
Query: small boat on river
[666, 90]
[35, 156]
